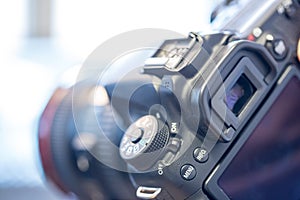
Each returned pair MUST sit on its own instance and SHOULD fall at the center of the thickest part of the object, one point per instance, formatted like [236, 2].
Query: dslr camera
[207, 116]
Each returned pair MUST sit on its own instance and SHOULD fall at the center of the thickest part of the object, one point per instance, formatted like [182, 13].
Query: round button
[290, 12]
[200, 155]
[138, 134]
[188, 172]
[279, 48]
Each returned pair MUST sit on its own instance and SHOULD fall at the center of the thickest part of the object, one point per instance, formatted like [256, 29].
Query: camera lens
[237, 97]
[74, 146]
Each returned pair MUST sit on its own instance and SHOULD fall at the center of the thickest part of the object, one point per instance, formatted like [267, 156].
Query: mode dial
[143, 142]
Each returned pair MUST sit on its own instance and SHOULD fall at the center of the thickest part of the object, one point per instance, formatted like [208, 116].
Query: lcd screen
[268, 164]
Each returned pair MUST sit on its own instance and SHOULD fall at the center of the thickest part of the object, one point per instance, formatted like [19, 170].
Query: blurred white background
[39, 39]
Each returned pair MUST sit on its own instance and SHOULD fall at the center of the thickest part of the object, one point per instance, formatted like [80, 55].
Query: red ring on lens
[44, 137]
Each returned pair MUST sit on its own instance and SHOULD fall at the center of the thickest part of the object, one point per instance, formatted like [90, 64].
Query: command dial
[143, 142]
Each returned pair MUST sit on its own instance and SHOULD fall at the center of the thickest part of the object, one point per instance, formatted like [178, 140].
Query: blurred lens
[73, 148]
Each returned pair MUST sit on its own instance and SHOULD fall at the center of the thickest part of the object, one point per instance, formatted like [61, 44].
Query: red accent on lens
[44, 135]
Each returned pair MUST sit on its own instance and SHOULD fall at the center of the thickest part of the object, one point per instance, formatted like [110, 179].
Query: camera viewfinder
[238, 96]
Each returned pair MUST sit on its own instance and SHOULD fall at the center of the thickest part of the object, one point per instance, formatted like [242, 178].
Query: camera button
[188, 172]
[277, 47]
[290, 12]
[200, 155]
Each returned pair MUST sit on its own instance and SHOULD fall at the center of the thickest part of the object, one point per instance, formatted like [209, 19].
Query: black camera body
[206, 76]
[227, 124]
